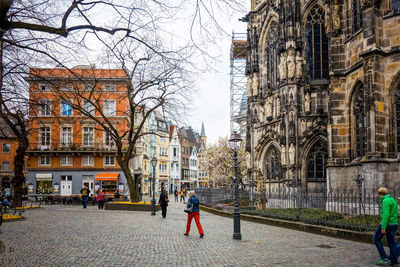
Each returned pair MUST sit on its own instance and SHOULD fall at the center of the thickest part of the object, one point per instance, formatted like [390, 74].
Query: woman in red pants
[194, 201]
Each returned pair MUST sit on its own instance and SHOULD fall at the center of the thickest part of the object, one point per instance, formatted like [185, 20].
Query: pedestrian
[194, 203]
[85, 194]
[176, 194]
[182, 196]
[388, 227]
[163, 201]
[101, 197]
[116, 195]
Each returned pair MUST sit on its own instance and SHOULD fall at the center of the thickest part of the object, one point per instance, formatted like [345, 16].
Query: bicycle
[7, 208]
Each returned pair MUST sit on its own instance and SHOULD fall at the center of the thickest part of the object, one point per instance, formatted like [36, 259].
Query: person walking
[176, 194]
[101, 197]
[85, 194]
[182, 196]
[388, 227]
[194, 201]
[163, 201]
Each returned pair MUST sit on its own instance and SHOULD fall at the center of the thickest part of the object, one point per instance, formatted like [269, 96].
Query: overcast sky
[212, 105]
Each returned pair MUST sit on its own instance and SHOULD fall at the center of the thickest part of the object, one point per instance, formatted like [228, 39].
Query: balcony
[74, 148]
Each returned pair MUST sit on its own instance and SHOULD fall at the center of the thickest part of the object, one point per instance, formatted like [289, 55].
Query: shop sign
[44, 176]
[30, 188]
[56, 188]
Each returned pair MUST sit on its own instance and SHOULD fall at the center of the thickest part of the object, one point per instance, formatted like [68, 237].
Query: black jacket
[163, 201]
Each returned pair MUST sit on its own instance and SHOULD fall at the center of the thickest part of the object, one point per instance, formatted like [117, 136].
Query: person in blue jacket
[193, 200]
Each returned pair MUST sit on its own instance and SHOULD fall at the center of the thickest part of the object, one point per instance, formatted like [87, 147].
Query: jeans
[101, 205]
[84, 201]
[164, 211]
[390, 234]
[176, 198]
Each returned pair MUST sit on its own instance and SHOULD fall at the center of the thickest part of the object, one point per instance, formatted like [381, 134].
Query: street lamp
[140, 183]
[153, 201]
[234, 142]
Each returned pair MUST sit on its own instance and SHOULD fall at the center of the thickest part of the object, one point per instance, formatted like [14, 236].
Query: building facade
[174, 159]
[69, 150]
[8, 148]
[323, 93]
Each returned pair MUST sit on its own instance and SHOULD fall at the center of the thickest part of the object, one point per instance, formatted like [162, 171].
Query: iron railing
[353, 210]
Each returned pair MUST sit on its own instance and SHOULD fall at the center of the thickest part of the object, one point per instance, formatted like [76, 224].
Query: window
[66, 135]
[6, 148]
[66, 160]
[273, 164]
[44, 87]
[5, 166]
[67, 87]
[109, 161]
[316, 45]
[397, 119]
[359, 121]
[44, 160]
[44, 187]
[272, 58]
[88, 136]
[88, 107]
[66, 177]
[163, 151]
[357, 15]
[88, 160]
[44, 136]
[396, 6]
[162, 168]
[45, 107]
[66, 107]
[88, 87]
[110, 88]
[109, 141]
[109, 107]
[176, 151]
[316, 161]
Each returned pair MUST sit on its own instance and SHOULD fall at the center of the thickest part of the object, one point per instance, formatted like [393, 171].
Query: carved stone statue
[299, 65]
[291, 65]
[249, 90]
[254, 84]
[292, 154]
[262, 119]
[336, 16]
[283, 154]
[282, 67]
[269, 107]
[327, 18]
[307, 102]
[278, 106]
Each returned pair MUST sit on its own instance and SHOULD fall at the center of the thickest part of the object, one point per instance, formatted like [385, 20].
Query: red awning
[107, 176]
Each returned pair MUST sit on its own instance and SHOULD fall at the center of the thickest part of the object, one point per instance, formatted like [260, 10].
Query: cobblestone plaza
[71, 236]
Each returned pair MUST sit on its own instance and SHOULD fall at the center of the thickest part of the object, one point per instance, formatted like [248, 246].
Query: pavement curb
[364, 237]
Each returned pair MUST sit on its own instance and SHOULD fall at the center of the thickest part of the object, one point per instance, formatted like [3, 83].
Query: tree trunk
[131, 182]
[19, 178]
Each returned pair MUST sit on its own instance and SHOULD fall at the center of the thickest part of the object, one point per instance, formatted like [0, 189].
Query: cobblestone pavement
[71, 236]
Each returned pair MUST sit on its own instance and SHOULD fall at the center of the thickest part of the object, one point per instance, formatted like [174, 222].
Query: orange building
[68, 148]
[8, 148]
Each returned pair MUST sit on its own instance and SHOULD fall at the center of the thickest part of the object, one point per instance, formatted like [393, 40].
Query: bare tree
[61, 33]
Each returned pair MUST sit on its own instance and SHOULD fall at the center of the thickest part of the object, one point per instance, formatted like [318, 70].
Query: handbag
[188, 210]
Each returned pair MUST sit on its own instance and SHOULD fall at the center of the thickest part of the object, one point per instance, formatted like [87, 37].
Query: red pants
[196, 216]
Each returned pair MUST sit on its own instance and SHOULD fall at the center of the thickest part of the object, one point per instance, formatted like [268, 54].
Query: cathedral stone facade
[323, 93]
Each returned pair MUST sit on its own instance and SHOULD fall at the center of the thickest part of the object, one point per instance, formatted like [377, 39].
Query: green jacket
[389, 211]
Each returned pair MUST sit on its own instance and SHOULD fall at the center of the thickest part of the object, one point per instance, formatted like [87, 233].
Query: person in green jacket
[388, 227]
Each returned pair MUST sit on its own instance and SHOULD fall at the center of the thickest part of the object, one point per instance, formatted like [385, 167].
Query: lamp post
[153, 200]
[140, 183]
[234, 141]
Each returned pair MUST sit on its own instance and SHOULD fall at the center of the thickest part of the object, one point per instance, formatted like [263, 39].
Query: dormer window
[110, 88]
[44, 87]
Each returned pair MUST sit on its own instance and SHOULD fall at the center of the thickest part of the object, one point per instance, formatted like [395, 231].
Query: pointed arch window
[273, 164]
[398, 119]
[272, 57]
[396, 6]
[316, 45]
[359, 128]
[316, 162]
[357, 15]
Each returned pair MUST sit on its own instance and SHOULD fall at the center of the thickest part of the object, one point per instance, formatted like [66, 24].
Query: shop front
[109, 183]
[5, 180]
[44, 183]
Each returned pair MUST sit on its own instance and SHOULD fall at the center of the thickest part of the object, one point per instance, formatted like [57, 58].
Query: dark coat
[163, 201]
[193, 200]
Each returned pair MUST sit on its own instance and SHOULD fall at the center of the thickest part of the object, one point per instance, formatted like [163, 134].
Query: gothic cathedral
[323, 87]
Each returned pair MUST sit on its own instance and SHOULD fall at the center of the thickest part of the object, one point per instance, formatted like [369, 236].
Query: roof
[35, 73]
[203, 132]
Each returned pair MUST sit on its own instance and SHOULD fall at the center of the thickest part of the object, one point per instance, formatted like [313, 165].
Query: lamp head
[235, 140]
[154, 161]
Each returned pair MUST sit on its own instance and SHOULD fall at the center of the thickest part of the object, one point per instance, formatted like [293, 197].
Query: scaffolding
[238, 103]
